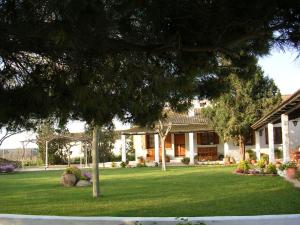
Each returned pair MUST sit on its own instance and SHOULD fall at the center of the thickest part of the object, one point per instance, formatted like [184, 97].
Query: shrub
[141, 165]
[282, 167]
[113, 164]
[74, 170]
[264, 157]
[123, 164]
[278, 153]
[130, 157]
[271, 168]
[243, 166]
[86, 176]
[156, 164]
[7, 168]
[262, 164]
[185, 160]
[251, 154]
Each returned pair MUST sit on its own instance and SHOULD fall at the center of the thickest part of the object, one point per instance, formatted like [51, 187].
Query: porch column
[285, 137]
[191, 148]
[257, 145]
[271, 142]
[156, 148]
[123, 151]
[226, 149]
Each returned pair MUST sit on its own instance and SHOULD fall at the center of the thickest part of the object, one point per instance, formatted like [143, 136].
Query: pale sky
[283, 67]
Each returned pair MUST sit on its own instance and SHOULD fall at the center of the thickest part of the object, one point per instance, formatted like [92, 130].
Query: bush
[141, 165]
[278, 153]
[7, 168]
[74, 170]
[86, 176]
[113, 164]
[123, 164]
[130, 157]
[251, 153]
[264, 157]
[186, 160]
[271, 168]
[262, 164]
[243, 166]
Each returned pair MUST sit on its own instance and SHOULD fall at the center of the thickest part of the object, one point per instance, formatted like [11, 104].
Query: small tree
[163, 130]
[232, 114]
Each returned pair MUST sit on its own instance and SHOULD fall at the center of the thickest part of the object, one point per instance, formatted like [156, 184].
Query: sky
[283, 67]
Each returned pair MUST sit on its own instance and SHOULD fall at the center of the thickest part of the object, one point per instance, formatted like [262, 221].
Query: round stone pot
[291, 173]
[68, 180]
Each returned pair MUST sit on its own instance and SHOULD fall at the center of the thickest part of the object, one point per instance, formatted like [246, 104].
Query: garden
[178, 192]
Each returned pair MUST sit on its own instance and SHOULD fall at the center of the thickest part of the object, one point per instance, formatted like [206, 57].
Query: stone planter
[83, 183]
[291, 173]
[68, 180]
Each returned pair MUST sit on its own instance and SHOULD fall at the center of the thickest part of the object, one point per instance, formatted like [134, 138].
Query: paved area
[8, 219]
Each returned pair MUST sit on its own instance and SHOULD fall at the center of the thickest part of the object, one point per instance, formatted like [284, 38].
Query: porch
[189, 141]
[280, 131]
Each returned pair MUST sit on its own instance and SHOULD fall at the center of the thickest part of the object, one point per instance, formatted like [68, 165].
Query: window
[149, 141]
[207, 138]
[277, 135]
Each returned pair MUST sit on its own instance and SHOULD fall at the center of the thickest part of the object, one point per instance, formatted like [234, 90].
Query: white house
[190, 136]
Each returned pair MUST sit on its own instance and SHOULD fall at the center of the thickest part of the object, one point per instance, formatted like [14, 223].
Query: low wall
[10, 219]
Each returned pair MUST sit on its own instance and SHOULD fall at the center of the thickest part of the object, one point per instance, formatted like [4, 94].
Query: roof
[184, 118]
[176, 128]
[181, 123]
[288, 106]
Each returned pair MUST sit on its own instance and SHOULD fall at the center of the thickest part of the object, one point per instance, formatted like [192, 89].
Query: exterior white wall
[137, 145]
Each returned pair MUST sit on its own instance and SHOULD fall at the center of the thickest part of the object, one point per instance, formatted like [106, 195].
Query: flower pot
[68, 180]
[291, 173]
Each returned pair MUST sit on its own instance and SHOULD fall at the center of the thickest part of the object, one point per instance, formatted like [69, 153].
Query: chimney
[191, 112]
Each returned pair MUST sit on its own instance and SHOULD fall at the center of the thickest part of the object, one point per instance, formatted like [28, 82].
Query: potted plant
[291, 169]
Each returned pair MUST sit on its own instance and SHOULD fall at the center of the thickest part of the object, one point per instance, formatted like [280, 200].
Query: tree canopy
[233, 113]
[97, 59]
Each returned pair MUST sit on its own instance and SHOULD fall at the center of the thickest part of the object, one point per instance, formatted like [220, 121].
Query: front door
[179, 144]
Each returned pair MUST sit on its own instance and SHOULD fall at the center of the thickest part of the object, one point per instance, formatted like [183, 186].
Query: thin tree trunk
[69, 158]
[242, 147]
[163, 154]
[95, 164]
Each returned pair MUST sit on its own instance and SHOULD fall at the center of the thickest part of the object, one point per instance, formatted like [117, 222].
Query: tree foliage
[98, 59]
[245, 101]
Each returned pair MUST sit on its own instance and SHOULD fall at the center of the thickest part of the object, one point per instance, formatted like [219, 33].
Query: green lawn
[181, 191]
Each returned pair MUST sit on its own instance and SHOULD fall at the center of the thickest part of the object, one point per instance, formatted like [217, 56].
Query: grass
[181, 191]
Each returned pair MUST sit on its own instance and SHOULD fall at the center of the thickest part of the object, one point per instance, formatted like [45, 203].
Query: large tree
[244, 102]
[94, 60]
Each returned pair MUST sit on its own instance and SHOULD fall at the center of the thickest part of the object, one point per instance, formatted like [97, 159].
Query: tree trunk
[242, 147]
[163, 154]
[69, 158]
[95, 160]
